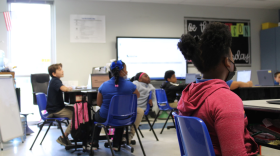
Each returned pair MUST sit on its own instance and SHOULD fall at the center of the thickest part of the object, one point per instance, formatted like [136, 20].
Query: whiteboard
[10, 123]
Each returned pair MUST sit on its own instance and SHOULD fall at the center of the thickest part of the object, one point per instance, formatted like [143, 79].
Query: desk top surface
[83, 90]
[261, 104]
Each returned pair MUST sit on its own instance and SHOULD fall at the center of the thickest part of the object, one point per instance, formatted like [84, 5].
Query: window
[30, 48]
[30, 38]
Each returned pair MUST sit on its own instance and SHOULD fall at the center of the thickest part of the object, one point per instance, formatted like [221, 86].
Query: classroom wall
[140, 19]
[134, 19]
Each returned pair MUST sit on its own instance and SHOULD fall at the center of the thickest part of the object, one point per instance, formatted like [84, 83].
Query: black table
[70, 97]
[258, 92]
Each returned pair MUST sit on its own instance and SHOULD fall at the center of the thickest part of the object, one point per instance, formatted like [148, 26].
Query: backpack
[81, 134]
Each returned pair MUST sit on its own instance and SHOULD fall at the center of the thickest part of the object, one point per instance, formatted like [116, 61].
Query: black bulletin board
[240, 31]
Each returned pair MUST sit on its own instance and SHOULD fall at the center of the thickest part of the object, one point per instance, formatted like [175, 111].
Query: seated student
[238, 84]
[142, 82]
[210, 98]
[55, 103]
[117, 85]
[171, 88]
[276, 78]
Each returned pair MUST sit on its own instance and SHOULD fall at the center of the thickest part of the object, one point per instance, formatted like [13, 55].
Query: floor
[166, 146]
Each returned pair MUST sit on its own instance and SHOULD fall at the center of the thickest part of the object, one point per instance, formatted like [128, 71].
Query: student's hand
[70, 88]
[151, 102]
[250, 83]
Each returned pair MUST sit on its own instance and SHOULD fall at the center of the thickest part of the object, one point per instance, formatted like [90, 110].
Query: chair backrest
[42, 104]
[40, 83]
[148, 105]
[122, 110]
[193, 136]
[162, 101]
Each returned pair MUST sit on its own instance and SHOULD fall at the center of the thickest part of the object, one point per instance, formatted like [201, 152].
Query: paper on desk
[70, 83]
[267, 122]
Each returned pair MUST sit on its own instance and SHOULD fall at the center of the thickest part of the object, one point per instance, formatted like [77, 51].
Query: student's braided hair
[207, 52]
[115, 68]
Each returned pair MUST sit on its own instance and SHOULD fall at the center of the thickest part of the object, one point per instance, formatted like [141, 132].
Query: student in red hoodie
[210, 98]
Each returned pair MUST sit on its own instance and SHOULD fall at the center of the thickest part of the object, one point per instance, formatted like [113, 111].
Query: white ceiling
[266, 4]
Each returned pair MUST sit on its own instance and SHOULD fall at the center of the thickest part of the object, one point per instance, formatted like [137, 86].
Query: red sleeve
[229, 124]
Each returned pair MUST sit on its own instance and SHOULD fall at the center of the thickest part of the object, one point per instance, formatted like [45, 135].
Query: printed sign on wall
[240, 31]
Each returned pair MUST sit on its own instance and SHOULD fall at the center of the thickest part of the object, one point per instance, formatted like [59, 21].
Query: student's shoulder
[54, 81]
[225, 99]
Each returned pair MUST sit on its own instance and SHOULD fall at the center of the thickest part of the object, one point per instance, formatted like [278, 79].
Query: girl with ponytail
[117, 85]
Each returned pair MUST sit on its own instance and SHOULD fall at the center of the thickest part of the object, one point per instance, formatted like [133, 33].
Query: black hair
[168, 74]
[275, 74]
[136, 77]
[207, 53]
[116, 73]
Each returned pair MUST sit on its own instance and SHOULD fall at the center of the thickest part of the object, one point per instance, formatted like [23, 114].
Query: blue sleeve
[133, 87]
[57, 84]
[100, 89]
[229, 82]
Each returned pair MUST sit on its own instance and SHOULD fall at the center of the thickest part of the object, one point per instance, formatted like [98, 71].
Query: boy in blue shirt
[277, 78]
[55, 103]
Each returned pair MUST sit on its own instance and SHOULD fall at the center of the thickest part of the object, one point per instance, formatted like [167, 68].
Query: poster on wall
[240, 31]
[87, 29]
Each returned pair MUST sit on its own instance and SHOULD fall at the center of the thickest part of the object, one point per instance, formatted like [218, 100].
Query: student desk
[257, 110]
[258, 92]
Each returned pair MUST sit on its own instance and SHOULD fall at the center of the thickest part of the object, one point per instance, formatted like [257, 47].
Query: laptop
[244, 76]
[191, 78]
[265, 78]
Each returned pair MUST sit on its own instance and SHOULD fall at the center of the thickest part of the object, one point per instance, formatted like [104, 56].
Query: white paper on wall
[87, 29]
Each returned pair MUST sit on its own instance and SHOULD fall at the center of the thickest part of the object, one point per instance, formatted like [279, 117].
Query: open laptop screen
[244, 76]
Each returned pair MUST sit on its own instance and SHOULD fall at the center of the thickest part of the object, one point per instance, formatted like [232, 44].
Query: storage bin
[269, 25]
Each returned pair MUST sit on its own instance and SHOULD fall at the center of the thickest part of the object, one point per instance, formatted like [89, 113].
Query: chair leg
[155, 119]
[173, 118]
[140, 132]
[91, 152]
[126, 135]
[46, 133]
[139, 141]
[151, 127]
[41, 127]
[166, 122]
[59, 124]
[106, 132]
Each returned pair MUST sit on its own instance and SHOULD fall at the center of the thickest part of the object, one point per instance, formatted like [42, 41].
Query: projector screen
[153, 56]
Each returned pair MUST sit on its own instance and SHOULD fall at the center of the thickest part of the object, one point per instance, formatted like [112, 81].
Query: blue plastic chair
[193, 136]
[163, 105]
[122, 113]
[146, 117]
[42, 103]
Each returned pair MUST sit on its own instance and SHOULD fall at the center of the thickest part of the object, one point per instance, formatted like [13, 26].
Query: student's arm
[178, 88]
[65, 89]
[99, 99]
[137, 93]
[238, 84]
